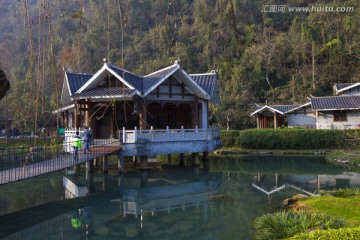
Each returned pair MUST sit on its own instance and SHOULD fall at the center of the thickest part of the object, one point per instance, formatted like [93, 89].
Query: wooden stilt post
[196, 173]
[169, 158]
[182, 160]
[77, 169]
[144, 178]
[143, 162]
[89, 181]
[121, 166]
[105, 165]
[89, 166]
[205, 156]
[206, 159]
[105, 182]
[195, 159]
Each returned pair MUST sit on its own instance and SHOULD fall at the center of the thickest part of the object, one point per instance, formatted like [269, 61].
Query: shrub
[332, 234]
[343, 192]
[228, 138]
[289, 138]
[286, 224]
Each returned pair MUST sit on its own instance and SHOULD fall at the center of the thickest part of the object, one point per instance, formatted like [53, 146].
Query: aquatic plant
[285, 224]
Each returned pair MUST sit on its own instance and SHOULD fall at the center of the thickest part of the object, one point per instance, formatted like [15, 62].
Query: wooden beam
[75, 115]
[182, 90]
[170, 87]
[82, 101]
[275, 120]
[195, 111]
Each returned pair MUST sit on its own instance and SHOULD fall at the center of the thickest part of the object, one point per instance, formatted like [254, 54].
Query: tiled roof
[131, 78]
[207, 82]
[298, 106]
[340, 86]
[274, 108]
[335, 102]
[203, 84]
[284, 108]
[153, 78]
[105, 92]
[77, 80]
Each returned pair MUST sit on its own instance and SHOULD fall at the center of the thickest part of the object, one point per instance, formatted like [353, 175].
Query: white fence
[69, 133]
[161, 141]
[167, 135]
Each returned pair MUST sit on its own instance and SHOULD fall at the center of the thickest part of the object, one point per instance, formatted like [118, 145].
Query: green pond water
[218, 200]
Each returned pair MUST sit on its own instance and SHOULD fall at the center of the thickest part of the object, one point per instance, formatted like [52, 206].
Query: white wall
[302, 120]
[326, 121]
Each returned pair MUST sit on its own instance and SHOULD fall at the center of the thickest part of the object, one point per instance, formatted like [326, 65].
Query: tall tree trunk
[29, 83]
[313, 52]
[122, 49]
[268, 80]
[55, 88]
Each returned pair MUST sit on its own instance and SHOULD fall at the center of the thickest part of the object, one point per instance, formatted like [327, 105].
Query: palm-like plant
[285, 224]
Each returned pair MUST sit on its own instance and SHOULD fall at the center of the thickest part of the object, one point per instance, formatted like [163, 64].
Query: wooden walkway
[63, 161]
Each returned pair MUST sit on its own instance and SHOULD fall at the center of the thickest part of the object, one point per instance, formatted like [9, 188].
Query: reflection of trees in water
[252, 164]
[245, 202]
[29, 193]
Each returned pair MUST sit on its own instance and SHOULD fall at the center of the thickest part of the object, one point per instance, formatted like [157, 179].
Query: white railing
[69, 133]
[167, 135]
[152, 135]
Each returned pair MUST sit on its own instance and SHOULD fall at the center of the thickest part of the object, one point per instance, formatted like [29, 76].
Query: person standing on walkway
[87, 139]
[76, 144]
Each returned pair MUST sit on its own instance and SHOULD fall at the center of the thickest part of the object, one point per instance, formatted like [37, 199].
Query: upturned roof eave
[347, 88]
[202, 92]
[266, 107]
[98, 73]
[296, 108]
[153, 87]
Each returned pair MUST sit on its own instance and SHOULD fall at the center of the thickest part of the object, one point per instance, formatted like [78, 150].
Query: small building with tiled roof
[110, 97]
[346, 89]
[341, 111]
[337, 112]
[275, 116]
[167, 109]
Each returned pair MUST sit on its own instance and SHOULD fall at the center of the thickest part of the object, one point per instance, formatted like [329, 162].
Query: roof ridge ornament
[67, 70]
[177, 61]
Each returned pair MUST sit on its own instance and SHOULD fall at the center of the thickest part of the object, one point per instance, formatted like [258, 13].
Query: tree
[4, 84]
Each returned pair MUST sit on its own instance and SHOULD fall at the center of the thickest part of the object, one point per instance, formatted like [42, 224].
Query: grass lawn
[344, 208]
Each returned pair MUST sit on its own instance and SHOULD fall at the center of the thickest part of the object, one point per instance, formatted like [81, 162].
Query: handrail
[159, 135]
[167, 135]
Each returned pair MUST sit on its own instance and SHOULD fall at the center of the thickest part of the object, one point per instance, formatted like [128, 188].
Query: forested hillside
[262, 50]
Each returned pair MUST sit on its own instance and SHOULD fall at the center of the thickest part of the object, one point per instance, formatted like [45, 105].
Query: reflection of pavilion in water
[150, 192]
[143, 194]
[308, 184]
